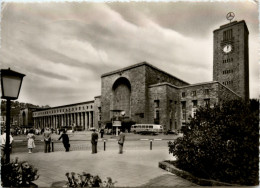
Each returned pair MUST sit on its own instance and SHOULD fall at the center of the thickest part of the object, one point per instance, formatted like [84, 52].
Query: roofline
[97, 96]
[229, 89]
[197, 84]
[231, 24]
[162, 84]
[138, 65]
[87, 102]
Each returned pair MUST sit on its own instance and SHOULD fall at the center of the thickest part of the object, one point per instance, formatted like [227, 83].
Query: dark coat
[65, 138]
[94, 138]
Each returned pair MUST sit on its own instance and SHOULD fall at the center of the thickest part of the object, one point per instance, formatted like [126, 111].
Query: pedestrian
[102, 132]
[94, 141]
[65, 141]
[31, 138]
[47, 140]
[121, 140]
[3, 148]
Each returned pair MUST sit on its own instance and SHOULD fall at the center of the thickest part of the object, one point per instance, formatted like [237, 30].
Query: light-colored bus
[147, 128]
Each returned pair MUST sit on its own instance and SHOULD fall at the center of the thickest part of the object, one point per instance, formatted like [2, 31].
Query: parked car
[92, 129]
[171, 132]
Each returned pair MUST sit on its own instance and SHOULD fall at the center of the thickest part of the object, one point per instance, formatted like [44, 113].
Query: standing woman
[31, 138]
[65, 140]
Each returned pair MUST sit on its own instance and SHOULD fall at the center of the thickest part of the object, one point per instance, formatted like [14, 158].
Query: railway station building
[149, 95]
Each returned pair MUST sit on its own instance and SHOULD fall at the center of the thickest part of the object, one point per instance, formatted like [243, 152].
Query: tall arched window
[122, 95]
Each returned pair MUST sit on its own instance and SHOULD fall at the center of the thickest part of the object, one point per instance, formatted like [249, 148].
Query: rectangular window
[206, 91]
[157, 103]
[207, 102]
[194, 103]
[183, 110]
[228, 34]
[183, 94]
[194, 93]
[157, 117]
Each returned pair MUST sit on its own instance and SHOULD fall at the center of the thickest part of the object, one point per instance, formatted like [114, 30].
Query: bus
[147, 128]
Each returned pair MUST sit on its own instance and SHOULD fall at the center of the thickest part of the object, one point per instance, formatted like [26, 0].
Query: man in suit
[94, 141]
[121, 140]
[47, 140]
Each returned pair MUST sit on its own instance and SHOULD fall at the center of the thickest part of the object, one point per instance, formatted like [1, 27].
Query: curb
[165, 165]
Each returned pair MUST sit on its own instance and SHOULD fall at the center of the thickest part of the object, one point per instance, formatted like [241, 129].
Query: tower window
[156, 103]
[227, 35]
[183, 94]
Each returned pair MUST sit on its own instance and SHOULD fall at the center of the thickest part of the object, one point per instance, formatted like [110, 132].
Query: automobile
[171, 132]
[92, 128]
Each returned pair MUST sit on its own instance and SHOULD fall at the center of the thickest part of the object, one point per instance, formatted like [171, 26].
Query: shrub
[18, 174]
[87, 180]
[221, 143]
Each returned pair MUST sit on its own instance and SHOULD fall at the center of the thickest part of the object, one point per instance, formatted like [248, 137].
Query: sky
[63, 48]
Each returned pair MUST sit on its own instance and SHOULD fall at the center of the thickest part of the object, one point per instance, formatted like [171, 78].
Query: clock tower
[231, 61]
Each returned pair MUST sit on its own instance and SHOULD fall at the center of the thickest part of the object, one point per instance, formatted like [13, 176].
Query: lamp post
[11, 82]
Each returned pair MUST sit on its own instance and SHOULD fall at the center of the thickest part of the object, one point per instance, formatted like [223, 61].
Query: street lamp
[11, 82]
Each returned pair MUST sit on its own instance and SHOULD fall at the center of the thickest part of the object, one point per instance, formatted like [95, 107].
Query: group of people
[94, 141]
[64, 137]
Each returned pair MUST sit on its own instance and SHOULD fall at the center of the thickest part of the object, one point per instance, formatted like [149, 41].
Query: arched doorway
[121, 95]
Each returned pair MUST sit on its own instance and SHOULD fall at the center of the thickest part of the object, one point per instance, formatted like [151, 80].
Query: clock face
[227, 48]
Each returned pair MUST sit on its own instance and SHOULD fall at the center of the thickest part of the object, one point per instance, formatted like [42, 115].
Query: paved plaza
[137, 166]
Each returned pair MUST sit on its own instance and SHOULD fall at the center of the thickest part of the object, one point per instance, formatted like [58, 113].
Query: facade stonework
[231, 67]
[149, 95]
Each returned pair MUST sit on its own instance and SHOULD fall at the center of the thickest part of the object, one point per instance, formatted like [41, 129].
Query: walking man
[47, 140]
[102, 132]
[94, 141]
[121, 140]
[65, 141]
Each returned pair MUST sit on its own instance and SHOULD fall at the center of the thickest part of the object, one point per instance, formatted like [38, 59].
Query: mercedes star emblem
[230, 16]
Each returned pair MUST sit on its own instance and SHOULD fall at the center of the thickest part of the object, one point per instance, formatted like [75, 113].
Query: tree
[221, 143]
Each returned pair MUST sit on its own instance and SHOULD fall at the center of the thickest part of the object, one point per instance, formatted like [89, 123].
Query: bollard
[151, 144]
[52, 146]
[104, 145]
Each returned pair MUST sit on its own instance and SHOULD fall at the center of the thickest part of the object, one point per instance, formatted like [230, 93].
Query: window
[157, 103]
[183, 94]
[194, 103]
[183, 109]
[228, 34]
[194, 93]
[206, 91]
[194, 108]
[157, 117]
[207, 102]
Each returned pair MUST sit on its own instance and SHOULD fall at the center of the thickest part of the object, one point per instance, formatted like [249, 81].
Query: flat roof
[231, 24]
[63, 106]
[138, 65]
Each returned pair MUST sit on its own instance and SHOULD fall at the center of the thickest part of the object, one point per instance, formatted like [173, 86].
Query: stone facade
[232, 68]
[147, 94]
[78, 114]
[137, 78]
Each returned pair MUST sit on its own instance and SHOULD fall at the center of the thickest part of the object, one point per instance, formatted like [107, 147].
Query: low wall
[166, 165]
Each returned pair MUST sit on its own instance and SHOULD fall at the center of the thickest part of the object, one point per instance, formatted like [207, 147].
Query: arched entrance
[121, 95]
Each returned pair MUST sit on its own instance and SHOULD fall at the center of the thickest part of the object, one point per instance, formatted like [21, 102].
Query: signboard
[116, 123]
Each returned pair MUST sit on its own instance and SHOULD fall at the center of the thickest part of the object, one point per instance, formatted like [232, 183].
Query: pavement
[137, 166]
